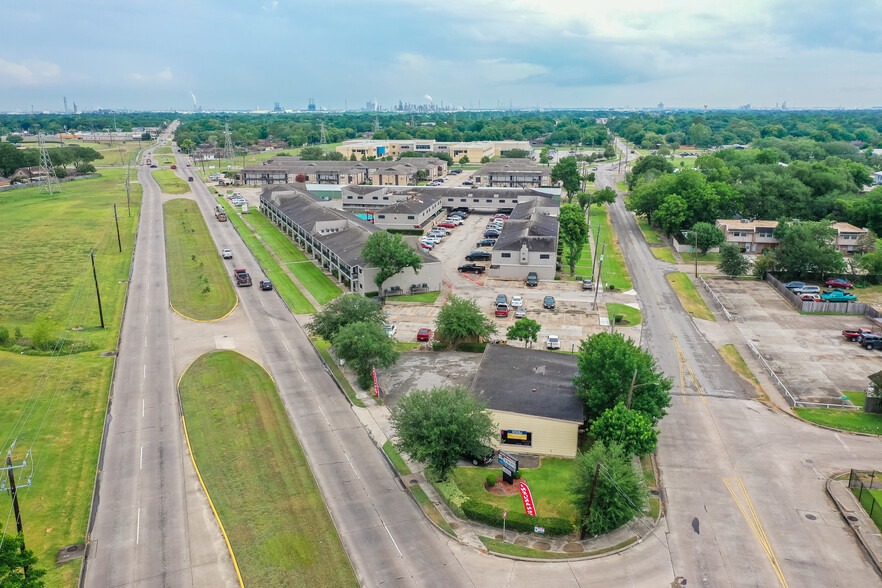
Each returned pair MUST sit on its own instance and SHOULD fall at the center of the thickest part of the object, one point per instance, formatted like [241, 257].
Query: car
[491, 234]
[174, 167]
[871, 341]
[486, 243]
[188, 165]
[532, 279]
[154, 165]
[587, 284]
[447, 225]
[482, 457]
[479, 256]
[794, 285]
[441, 229]
[517, 301]
[838, 296]
[521, 312]
[811, 297]
[436, 234]
[390, 330]
[471, 268]
[548, 302]
[839, 283]
[495, 226]
[227, 254]
[502, 310]
[857, 334]
[501, 299]
[434, 239]
[455, 221]
[424, 335]
[499, 216]
[552, 342]
[266, 285]
[807, 290]
[467, 183]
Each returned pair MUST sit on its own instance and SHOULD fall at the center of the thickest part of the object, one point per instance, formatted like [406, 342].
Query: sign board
[538, 529]
[505, 514]
[507, 461]
[507, 476]
[528, 500]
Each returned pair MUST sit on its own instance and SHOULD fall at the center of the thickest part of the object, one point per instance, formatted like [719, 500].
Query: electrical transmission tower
[49, 182]
[376, 123]
[228, 145]
[324, 138]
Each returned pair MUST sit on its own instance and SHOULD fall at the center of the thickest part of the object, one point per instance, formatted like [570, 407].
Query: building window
[381, 216]
[463, 200]
[385, 198]
[545, 256]
[376, 198]
[361, 197]
[506, 255]
[410, 217]
[489, 200]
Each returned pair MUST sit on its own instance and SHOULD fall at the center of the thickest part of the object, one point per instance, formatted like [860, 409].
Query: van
[808, 290]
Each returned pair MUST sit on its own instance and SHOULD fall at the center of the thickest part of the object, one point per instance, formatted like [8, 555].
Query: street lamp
[694, 250]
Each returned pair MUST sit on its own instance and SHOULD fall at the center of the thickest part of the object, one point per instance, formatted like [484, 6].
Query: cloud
[160, 77]
[271, 6]
[31, 72]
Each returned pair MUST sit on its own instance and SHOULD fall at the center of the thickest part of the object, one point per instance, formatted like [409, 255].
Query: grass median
[163, 151]
[689, 297]
[258, 478]
[630, 316]
[847, 419]
[199, 287]
[613, 271]
[293, 297]
[47, 239]
[169, 182]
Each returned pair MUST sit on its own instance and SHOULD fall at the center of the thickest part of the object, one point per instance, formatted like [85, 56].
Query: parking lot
[807, 352]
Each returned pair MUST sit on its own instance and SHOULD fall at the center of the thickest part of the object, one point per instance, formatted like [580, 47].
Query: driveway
[425, 370]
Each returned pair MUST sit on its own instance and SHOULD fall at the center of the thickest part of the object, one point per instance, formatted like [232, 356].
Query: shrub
[4, 335]
[452, 495]
[518, 521]
[417, 232]
[471, 347]
[619, 318]
[491, 479]
[439, 346]
[18, 334]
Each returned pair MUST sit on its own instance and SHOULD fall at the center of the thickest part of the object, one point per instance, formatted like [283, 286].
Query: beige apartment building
[474, 150]
[757, 236]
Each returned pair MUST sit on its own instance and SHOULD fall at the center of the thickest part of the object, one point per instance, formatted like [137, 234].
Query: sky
[249, 54]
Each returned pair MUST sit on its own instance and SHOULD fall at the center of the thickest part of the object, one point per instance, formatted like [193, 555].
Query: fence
[716, 298]
[861, 482]
[833, 307]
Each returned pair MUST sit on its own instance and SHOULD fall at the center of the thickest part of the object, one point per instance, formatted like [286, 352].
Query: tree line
[81, 158]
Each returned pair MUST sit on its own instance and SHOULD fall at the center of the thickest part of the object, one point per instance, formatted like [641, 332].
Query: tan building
[364, 148]
[475, 151]
[288, 170]
[528, 242]
[532, 399]
[513, 173]
[757, 236]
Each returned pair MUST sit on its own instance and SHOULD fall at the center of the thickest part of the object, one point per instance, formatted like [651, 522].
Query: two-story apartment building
[758, 236]
[362, 198]
[414, 213]
[286, 170]
[513, 173]
[474, 150]
[528, 242]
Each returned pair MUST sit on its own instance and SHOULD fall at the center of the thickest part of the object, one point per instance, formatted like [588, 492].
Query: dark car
[483, 456]
[491, 234]
[486, 243]
[548, 302]
[472, 268]
[478, 256]
[871, 341]
[501, 299]
[266, 285]
[794, 285]
[532, 279]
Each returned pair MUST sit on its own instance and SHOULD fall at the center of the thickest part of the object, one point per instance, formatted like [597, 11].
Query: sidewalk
[857, 518]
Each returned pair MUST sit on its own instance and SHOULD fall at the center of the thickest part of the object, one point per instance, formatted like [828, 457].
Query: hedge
[439, 346]
[417, 232]
[471, 347]
[452, 495]
[517, 521]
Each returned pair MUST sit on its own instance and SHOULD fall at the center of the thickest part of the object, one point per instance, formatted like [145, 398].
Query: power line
[50, 181]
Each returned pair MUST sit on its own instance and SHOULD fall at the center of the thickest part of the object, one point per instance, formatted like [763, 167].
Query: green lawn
[428, 297]
[614, 271]
[689, 297]
[271, 508]
[292, 296]
[284, 248]
[163, 151]
[46, 240]
[649, 233]
[630, 314]
[198, 283]
[522, 551]
[547, 485]
[169, 183]
[663, 254]
[431, 510]
[323, 347]
[847, 419]
[396, 458]
[622, 186]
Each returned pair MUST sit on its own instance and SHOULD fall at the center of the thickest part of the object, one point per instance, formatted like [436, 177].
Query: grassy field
[271, 507]
[169, 183]
[614, 271]
[845, 419]
[47, 240]
[292, 296]
[199, 286]
[649, 233]
[163, 151]
[522, 551]
[663, 254]
[428, 297]
[689, 297]
[630, 314]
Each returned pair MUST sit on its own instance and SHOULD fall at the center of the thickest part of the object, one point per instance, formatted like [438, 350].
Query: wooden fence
[822, 307]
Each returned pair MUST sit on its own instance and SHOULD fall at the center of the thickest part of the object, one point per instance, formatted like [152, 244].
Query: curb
[177, 312]
[855, 526]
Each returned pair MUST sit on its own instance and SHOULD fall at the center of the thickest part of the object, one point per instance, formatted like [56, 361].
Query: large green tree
[732, 262]
[13, 561]
[461, 319]
[706, 235]
[345, 310]
[525, 330]
[566, 171]
[619, 495]
[389, 254]
[440, 426]
[671, 215]
[573, 232]
[604, 196]
[806, 249]
[365, 346]
[632, 428]
[606, 369]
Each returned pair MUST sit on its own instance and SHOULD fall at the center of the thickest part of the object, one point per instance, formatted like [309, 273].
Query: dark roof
[528, 225]
[295, 164]
[413, 205]
[507, 377]
[514, 165]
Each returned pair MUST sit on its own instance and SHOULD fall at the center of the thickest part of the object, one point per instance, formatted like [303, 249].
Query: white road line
[384, 526]
[142, 408]
[352, 466]
[272, 322]
[141, 463]
[138, 532]
[145, 371]
[145, 341]
[286, 345]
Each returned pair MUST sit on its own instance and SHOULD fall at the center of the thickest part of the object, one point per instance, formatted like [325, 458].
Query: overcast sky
[244, 54]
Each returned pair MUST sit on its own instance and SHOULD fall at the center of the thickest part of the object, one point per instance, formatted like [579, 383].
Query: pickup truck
[856, 334]
[242, 277]
[838, 296]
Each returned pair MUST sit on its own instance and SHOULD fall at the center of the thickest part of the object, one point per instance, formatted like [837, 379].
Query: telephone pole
[116, 218]
[97, 291]
[13, 490]
[590, 499]
[129, 189]
[599, 281]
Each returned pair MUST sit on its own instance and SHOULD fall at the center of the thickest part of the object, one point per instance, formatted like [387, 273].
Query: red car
[839, 283]
[174, 167]
[447, 225]
[502, 310]
[424, 335]
[811, 298]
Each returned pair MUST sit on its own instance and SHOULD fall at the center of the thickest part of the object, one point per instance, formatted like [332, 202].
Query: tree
[312, 153]
[631, 428]
[525, 330]
[515, 154]
[365, 346]
[806, 248]
[573, 232]
[706, 235]
[671, 214]
[14, 139]
[609, 151]
[345, 310]
[866, 243]
[13, 562]
[440, 426]
[619, 495]
[871, 262]
[606, 369]
[187, 145]
[464, 159]
[732, 262]
[485, 159]
[543, 156]
[145, 136]
[461, 319]
[422, 175]
[300, 178]
[566, 171]
[605, 196]
[389, 254]
[762, 265]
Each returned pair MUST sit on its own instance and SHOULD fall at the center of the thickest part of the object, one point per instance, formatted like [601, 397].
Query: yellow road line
[753, 521]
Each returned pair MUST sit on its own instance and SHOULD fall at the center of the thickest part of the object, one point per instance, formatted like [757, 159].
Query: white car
[227, 253]
[441, 230]
[433, 239]
[517, 301]
[390, 330]
[552, 342]
[455, 221]
[521, 312]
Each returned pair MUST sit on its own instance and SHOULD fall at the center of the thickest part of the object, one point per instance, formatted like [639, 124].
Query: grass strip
[431, 510]
[289, 292]
[737, 363]
[396, 458]
[632, 315]
[285, 249]
[162, 151]
[199, 287]
[323, 347]
[271, 507]
[170, 183]
[649, 233]
[427, 297]
[663, 254]
[843, 418]
[648, 473]
[654, 507]
[613, 271]
[689, 297]
[521, 551]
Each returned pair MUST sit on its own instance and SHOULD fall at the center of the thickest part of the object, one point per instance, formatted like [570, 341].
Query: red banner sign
[376, 385]
[528, 500]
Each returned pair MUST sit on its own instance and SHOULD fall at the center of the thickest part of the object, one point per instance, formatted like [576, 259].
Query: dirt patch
[503, 489]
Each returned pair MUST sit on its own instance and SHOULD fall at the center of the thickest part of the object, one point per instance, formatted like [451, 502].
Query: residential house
[757, 236]
[27, 175]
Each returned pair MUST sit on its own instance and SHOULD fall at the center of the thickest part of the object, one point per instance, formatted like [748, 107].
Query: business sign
[507, 461]
[510, 437]
[376, 385]
[528, 500]
[538, 529]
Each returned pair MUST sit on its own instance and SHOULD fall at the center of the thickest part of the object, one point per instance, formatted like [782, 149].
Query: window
[381, 216]
[376, 197]
[463, 200]
[544, 256]
[385, 198]
[490, 200]
[506, 255]
[410, 217]
[361, 197]
[766, 234]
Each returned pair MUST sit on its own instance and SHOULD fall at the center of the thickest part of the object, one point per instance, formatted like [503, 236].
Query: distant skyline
[249, 54]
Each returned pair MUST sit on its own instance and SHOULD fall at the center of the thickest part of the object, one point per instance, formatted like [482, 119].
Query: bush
[491, 479]
[471, 347]
[619, 318]
[439, 346]
[4, 335]
[452, 495]
[518, 521]
[417, 232]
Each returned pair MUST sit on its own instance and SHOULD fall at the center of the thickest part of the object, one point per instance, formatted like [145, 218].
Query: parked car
[517, 301]
[441, 229]
[447, 225]
[433, 239]
[552, 342]
[491, 234]
[548, 302]
[873, 341]
[811, 297]
[266, 285]
[807, 290]
[455, 221]
[471, 268]
[424, 335]
[521, 312]
[532, 279]
[502, 310]
[794, 285]
[468, 183]
[486, 243]
[839, 283]
[227, 254]
[838, 296]
[482, 457]
[587, 284]
[501, 299]
[478, 256]
[390, 330]
[856, 334]
[174, 167]
[500, 216]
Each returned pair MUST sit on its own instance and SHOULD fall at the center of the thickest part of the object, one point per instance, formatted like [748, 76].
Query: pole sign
[376, 386]
[507, 461]
[528, 500]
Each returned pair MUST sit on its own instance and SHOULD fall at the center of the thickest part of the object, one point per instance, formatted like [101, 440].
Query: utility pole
[631, 390]
[97, 291]
[590, 499]
[13, 490]
[599, 275]
[596, 244]
[129, 189]
[695, 253]
[116, 218]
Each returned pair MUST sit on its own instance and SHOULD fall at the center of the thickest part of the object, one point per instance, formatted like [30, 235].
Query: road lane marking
[352, 466]
[754, 523]
[145, 341]
[145, 371]
[138, 531]
[141, 462]
[146, 318]
[286, 345]
[272, 322]
[393, 541]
